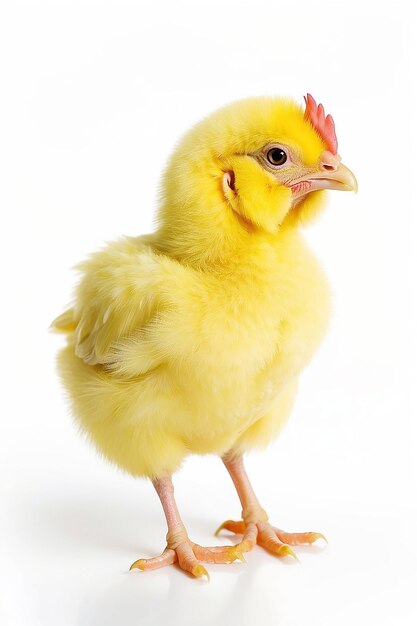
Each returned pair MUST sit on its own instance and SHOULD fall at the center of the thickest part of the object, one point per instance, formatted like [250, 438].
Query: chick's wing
[117, 302]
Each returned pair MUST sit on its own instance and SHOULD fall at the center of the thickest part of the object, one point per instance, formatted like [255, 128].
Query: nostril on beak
[329, 161]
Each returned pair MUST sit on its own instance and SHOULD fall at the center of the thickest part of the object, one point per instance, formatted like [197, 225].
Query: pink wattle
[303, 185]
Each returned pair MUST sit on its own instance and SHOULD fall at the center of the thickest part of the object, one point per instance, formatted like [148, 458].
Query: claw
[139, 564]
[285, 550]
[234, 527]
[237, 554]
[199, 570]
[315, 536]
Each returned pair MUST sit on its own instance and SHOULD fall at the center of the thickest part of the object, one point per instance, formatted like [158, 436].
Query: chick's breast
[248, 337]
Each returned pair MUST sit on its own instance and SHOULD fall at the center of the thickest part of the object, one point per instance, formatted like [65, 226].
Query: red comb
[323, 124]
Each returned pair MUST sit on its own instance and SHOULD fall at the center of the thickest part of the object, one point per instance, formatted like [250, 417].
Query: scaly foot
[272, 539]
[189, 556]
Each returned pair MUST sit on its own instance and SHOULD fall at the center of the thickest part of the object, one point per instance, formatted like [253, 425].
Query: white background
[94, 96]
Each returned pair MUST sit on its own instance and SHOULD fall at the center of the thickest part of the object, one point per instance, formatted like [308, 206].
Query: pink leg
[179, 547]
[251, 508]
[254, 526]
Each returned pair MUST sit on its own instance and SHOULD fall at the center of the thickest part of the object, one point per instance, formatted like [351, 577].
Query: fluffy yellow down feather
[191, 339]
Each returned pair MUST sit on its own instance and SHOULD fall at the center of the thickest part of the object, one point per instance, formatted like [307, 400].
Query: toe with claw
[273, 539]
[189, 556]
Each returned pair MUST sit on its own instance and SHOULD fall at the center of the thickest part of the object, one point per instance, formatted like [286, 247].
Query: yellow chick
[191, 339]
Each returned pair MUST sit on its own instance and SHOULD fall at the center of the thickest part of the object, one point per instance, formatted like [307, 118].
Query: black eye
[276, 156]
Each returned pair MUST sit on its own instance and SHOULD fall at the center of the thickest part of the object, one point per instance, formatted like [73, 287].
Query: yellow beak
[340, 178]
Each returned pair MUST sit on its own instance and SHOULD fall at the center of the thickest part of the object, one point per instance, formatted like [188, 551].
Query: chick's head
[254, 164]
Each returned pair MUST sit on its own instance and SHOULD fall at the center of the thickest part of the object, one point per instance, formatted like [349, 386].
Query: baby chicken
[191, 339]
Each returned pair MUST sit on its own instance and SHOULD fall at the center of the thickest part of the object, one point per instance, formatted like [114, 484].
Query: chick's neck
[215, 239]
